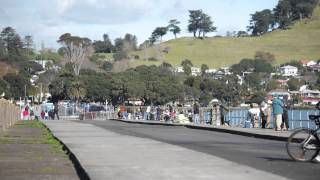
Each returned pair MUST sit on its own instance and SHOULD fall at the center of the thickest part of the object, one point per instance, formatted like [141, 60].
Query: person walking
[196, 112]
[223, 110]
[25, 113]
[277, 109]
[147, 113]
[214, 114]
[56, 111]
[158, 111]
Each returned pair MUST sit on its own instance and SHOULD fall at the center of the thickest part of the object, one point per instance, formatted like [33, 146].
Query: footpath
[107, 155]
[28, 151]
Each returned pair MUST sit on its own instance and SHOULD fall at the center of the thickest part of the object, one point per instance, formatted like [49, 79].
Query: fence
[297, 118]
[9, 114]
[234, 116]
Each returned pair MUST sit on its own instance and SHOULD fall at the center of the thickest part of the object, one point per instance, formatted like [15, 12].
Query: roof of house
[288, 66]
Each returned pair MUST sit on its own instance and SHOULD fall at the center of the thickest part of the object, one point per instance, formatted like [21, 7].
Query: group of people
[148, 113]
[278, 110]
[171, 114]
[37, 112]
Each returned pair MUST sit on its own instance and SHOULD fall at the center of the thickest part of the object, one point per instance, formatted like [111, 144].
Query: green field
[105, 56]
[301, 41]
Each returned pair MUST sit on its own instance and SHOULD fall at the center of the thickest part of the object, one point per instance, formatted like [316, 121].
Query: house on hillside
[211, 71]
[195, 71]
[282, 82]
[288, 70]
[307, 63]
[307, 96]
[281, 93]
[314, 68]
[179, 69]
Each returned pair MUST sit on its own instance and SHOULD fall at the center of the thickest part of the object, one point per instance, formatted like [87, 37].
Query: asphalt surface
[266, 155]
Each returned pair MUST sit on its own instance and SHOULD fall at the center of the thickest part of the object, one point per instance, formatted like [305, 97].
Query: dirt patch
[28, 152]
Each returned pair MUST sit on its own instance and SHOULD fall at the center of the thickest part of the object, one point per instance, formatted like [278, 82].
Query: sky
[46, 20]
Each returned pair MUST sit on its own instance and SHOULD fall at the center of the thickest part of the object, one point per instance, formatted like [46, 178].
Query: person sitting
[181, 118]
[166, 114]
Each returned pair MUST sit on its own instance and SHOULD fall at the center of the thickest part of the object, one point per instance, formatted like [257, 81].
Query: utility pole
[40, 100]
[25, 95]
[25, 90]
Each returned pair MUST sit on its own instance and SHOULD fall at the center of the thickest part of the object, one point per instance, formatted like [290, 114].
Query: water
[297, 118]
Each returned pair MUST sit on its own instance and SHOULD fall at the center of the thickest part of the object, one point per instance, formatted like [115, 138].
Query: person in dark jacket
[56, 110]
[285, 116]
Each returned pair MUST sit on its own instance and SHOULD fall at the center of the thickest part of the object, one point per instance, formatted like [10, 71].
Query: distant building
[195, 71]
[211, 71]
[179, 69]
[289, 70]
[307, 96]
[283, 83]
[281, 93]
[307, 63]
[314, 68]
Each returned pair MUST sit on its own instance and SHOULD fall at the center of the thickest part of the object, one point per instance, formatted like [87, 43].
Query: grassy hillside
[301, 41]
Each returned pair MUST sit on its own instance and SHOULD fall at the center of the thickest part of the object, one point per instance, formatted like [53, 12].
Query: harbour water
[297, 118]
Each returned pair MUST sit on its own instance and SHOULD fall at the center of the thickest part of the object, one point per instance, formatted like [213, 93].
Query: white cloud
[64, 5]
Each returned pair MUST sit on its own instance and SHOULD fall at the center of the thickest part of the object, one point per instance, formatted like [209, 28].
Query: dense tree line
[285, 12]
[156, 85]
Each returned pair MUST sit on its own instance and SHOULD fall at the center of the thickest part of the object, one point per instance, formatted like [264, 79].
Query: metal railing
[234, 116]
[9, 114]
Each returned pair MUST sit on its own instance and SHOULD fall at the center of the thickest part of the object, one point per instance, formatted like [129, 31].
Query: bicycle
[304, 143]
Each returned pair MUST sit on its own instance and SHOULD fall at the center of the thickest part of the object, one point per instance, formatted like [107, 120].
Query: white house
[307, 63]
[289, 70]
[179, 69]
[195, 71]
[211, 71]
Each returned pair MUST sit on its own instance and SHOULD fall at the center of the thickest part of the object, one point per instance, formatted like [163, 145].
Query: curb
[230, 131]
[146, 122]
[81, 172]
[242, 133]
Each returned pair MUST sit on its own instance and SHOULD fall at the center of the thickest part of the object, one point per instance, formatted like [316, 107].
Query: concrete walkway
[107, 155]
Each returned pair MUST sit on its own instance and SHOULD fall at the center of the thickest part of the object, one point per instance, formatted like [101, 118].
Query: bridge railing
[9, 114]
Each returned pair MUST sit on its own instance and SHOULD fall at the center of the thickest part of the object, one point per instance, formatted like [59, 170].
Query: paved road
[265, 155]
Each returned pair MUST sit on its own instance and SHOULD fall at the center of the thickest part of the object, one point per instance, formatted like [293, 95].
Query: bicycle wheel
[302, 145]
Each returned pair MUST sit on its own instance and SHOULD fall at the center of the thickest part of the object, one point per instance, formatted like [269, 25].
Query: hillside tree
[283, 13]
[204, 68]
[303, 8]
[11, 43]
[122, 46]
[206, 25]
[173, 27]
[159, 32]
[261, 22]
[77, 50]
[186, 65]
[200, 23]
[194, 21]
